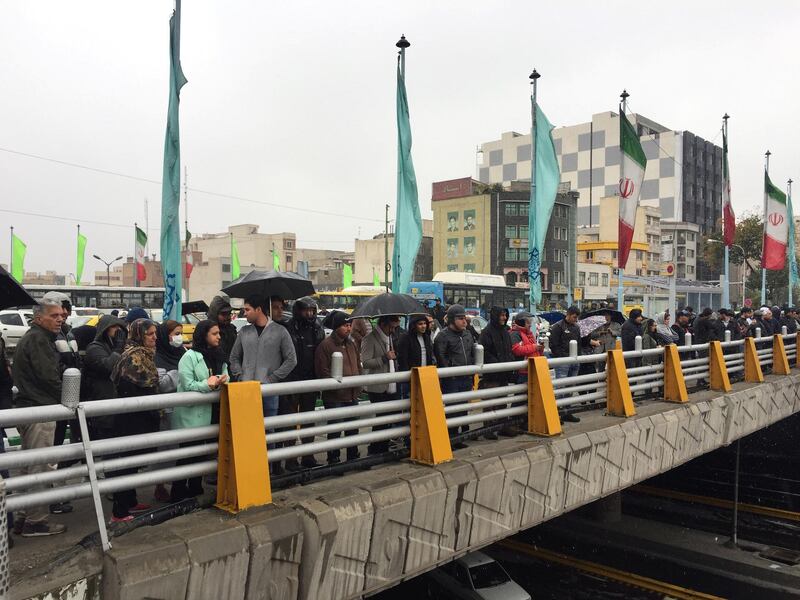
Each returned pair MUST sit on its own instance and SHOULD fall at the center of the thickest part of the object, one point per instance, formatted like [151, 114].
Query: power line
[197, 190]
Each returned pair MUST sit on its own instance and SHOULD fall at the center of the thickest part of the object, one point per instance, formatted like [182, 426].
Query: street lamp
[744, 263]
[108, 267]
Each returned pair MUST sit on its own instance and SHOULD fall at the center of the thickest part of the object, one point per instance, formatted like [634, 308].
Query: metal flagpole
[726, 287]
[620, 289]
[791, 266]
[534, 77]
[11, 253]
[763, 270]
[135, 259]
[186, 227]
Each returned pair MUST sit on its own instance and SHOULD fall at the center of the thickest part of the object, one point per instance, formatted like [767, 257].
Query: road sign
[669, 270]
[748, 302]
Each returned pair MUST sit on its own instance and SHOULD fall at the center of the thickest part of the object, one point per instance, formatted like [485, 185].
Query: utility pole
[763, 270]
[386, 264]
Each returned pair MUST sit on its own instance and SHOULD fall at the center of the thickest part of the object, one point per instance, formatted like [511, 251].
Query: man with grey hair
[37, 375]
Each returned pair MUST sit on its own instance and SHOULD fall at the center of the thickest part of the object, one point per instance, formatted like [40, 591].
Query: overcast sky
[293, 103]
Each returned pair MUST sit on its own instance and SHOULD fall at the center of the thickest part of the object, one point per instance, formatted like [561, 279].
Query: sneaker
[570, 418]
[42, 529]
[18, 525]
[140, 508]
[61, 508]
[125, 519]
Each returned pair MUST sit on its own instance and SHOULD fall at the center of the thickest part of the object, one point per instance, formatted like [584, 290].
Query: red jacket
[523, 344]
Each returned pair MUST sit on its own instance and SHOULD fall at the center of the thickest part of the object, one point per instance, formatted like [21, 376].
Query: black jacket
[496, 343]
[101, 356]
[705, 330]
[437, 312]
[681, 331]
[767, 327]
[227, 333]
[789, 323]
[37, 368]
[630, 329]
[454, 349]
[561, 334]
[306, 336]
[409, 350]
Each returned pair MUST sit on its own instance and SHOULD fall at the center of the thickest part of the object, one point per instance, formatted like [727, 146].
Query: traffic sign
[669, 270]
[748, 302]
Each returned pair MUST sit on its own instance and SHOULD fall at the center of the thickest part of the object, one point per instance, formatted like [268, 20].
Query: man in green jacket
[37, 376]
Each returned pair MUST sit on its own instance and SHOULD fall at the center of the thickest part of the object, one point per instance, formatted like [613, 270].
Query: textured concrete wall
[344, 537]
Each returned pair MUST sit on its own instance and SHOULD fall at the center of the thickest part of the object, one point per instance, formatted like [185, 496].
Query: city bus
[348, 298]
[104, 297]
[474, 291]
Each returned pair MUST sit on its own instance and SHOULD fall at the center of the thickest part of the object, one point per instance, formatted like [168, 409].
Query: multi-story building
[487, 232]
[681, 246]
[683, 178]
[593, 283]
[46, 278]
[125, 274]
[254, 248]
[324, 266]
[370, 257]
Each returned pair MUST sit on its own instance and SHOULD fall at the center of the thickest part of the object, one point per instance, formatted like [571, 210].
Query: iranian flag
[632, 169]
[189, 256]
[141, 244]
[776, 227]
[728, 218]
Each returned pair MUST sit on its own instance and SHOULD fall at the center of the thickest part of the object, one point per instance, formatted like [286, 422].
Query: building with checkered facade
[683, 178]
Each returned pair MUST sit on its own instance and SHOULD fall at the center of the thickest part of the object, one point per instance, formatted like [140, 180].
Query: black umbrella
[195, 306]
[12, 293]
[270, 283]
[616, 316]
[388, 304]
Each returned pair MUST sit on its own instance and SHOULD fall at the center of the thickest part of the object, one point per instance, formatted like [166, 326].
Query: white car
[13, 325]
[474, 576]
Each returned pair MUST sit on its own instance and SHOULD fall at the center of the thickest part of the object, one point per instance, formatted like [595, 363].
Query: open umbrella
[388, 304]
[12, 293]
[588, 324]
[552, 316]
[270, 283]
[195, 306]
[616, 316]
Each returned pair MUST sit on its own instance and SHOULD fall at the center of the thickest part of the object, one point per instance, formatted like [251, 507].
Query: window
[690, 236]
[557, 255]
[511, 231]
[511, 209]
[449, 268]
[639, 272]
[288, 244]
[557, 277]
[523, 209]
[581, 278]
[564, 234]
[523, 231]
[689, 253]
[556, 233]
[593, 279]
[511, 254]
[605, 280]
[590, 255]
[613, 254]
[689, 269]
[226, 268]
[638, 255]
[11, 320]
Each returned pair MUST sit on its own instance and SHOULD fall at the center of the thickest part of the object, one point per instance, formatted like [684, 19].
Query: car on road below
[13, 325]
[474, 576]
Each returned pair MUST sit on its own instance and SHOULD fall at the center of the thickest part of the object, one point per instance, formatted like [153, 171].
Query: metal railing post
[430, 440]
[688, 339]
[727, 335]
[542, 410]
[98, 503]
[477, 354]
[573, 349]
[337, 366]
[637, 343]
[758, 332]
[784, 331]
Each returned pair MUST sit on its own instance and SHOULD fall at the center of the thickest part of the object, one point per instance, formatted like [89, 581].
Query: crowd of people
[134, 356]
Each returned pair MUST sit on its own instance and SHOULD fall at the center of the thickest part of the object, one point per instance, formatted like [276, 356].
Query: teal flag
[790, 246]
[170, 186]
[543, 196]
[408, 223]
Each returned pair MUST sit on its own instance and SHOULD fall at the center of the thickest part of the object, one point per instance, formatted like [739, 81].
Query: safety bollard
[71, 388]
[674, 383]
[717, 369]
[780, 362]
[542, 410]
[619, 401]
[430, 441]
[752, 366]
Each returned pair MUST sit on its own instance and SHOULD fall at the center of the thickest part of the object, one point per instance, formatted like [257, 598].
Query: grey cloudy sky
[293, 103]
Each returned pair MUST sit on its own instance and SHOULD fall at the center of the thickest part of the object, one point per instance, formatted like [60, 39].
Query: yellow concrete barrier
[752, 368]
[430, 441]
[674, 384]
[542, 410]
[619, 401]
[717, 370]
[780, 362]
[243, 470]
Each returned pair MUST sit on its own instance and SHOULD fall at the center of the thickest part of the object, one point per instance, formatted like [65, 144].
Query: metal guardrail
[378, 422]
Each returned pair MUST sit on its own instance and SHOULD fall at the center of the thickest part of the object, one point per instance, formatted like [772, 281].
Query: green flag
[408, 223]
[542, 199]
[171, 263]
[18, 249]
[80, 257]
[276, 260]
[347, 276]
[376, 279]
[235, 266]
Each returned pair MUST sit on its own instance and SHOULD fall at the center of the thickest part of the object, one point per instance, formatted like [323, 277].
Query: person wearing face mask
[169, 345]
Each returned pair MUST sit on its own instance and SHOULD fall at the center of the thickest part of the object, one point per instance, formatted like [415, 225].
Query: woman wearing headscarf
[649, 341]
[135, 374]
[664, 333]
[169, 345]
[202, 369]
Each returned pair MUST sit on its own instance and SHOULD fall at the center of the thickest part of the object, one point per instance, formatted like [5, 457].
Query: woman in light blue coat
[201, 369]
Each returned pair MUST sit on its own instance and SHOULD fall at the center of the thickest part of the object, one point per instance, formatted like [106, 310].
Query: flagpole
[790, 241]
[534, 77]
[726, 284]
[763, 270]
[11, 253]
[620, 286]
[77, 241]
[135, 259]
[186, 225]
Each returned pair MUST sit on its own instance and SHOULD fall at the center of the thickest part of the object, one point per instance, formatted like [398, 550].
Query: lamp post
[744, 264]
[108, 267]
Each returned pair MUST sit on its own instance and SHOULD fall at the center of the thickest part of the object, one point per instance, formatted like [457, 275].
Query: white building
[594, 281]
